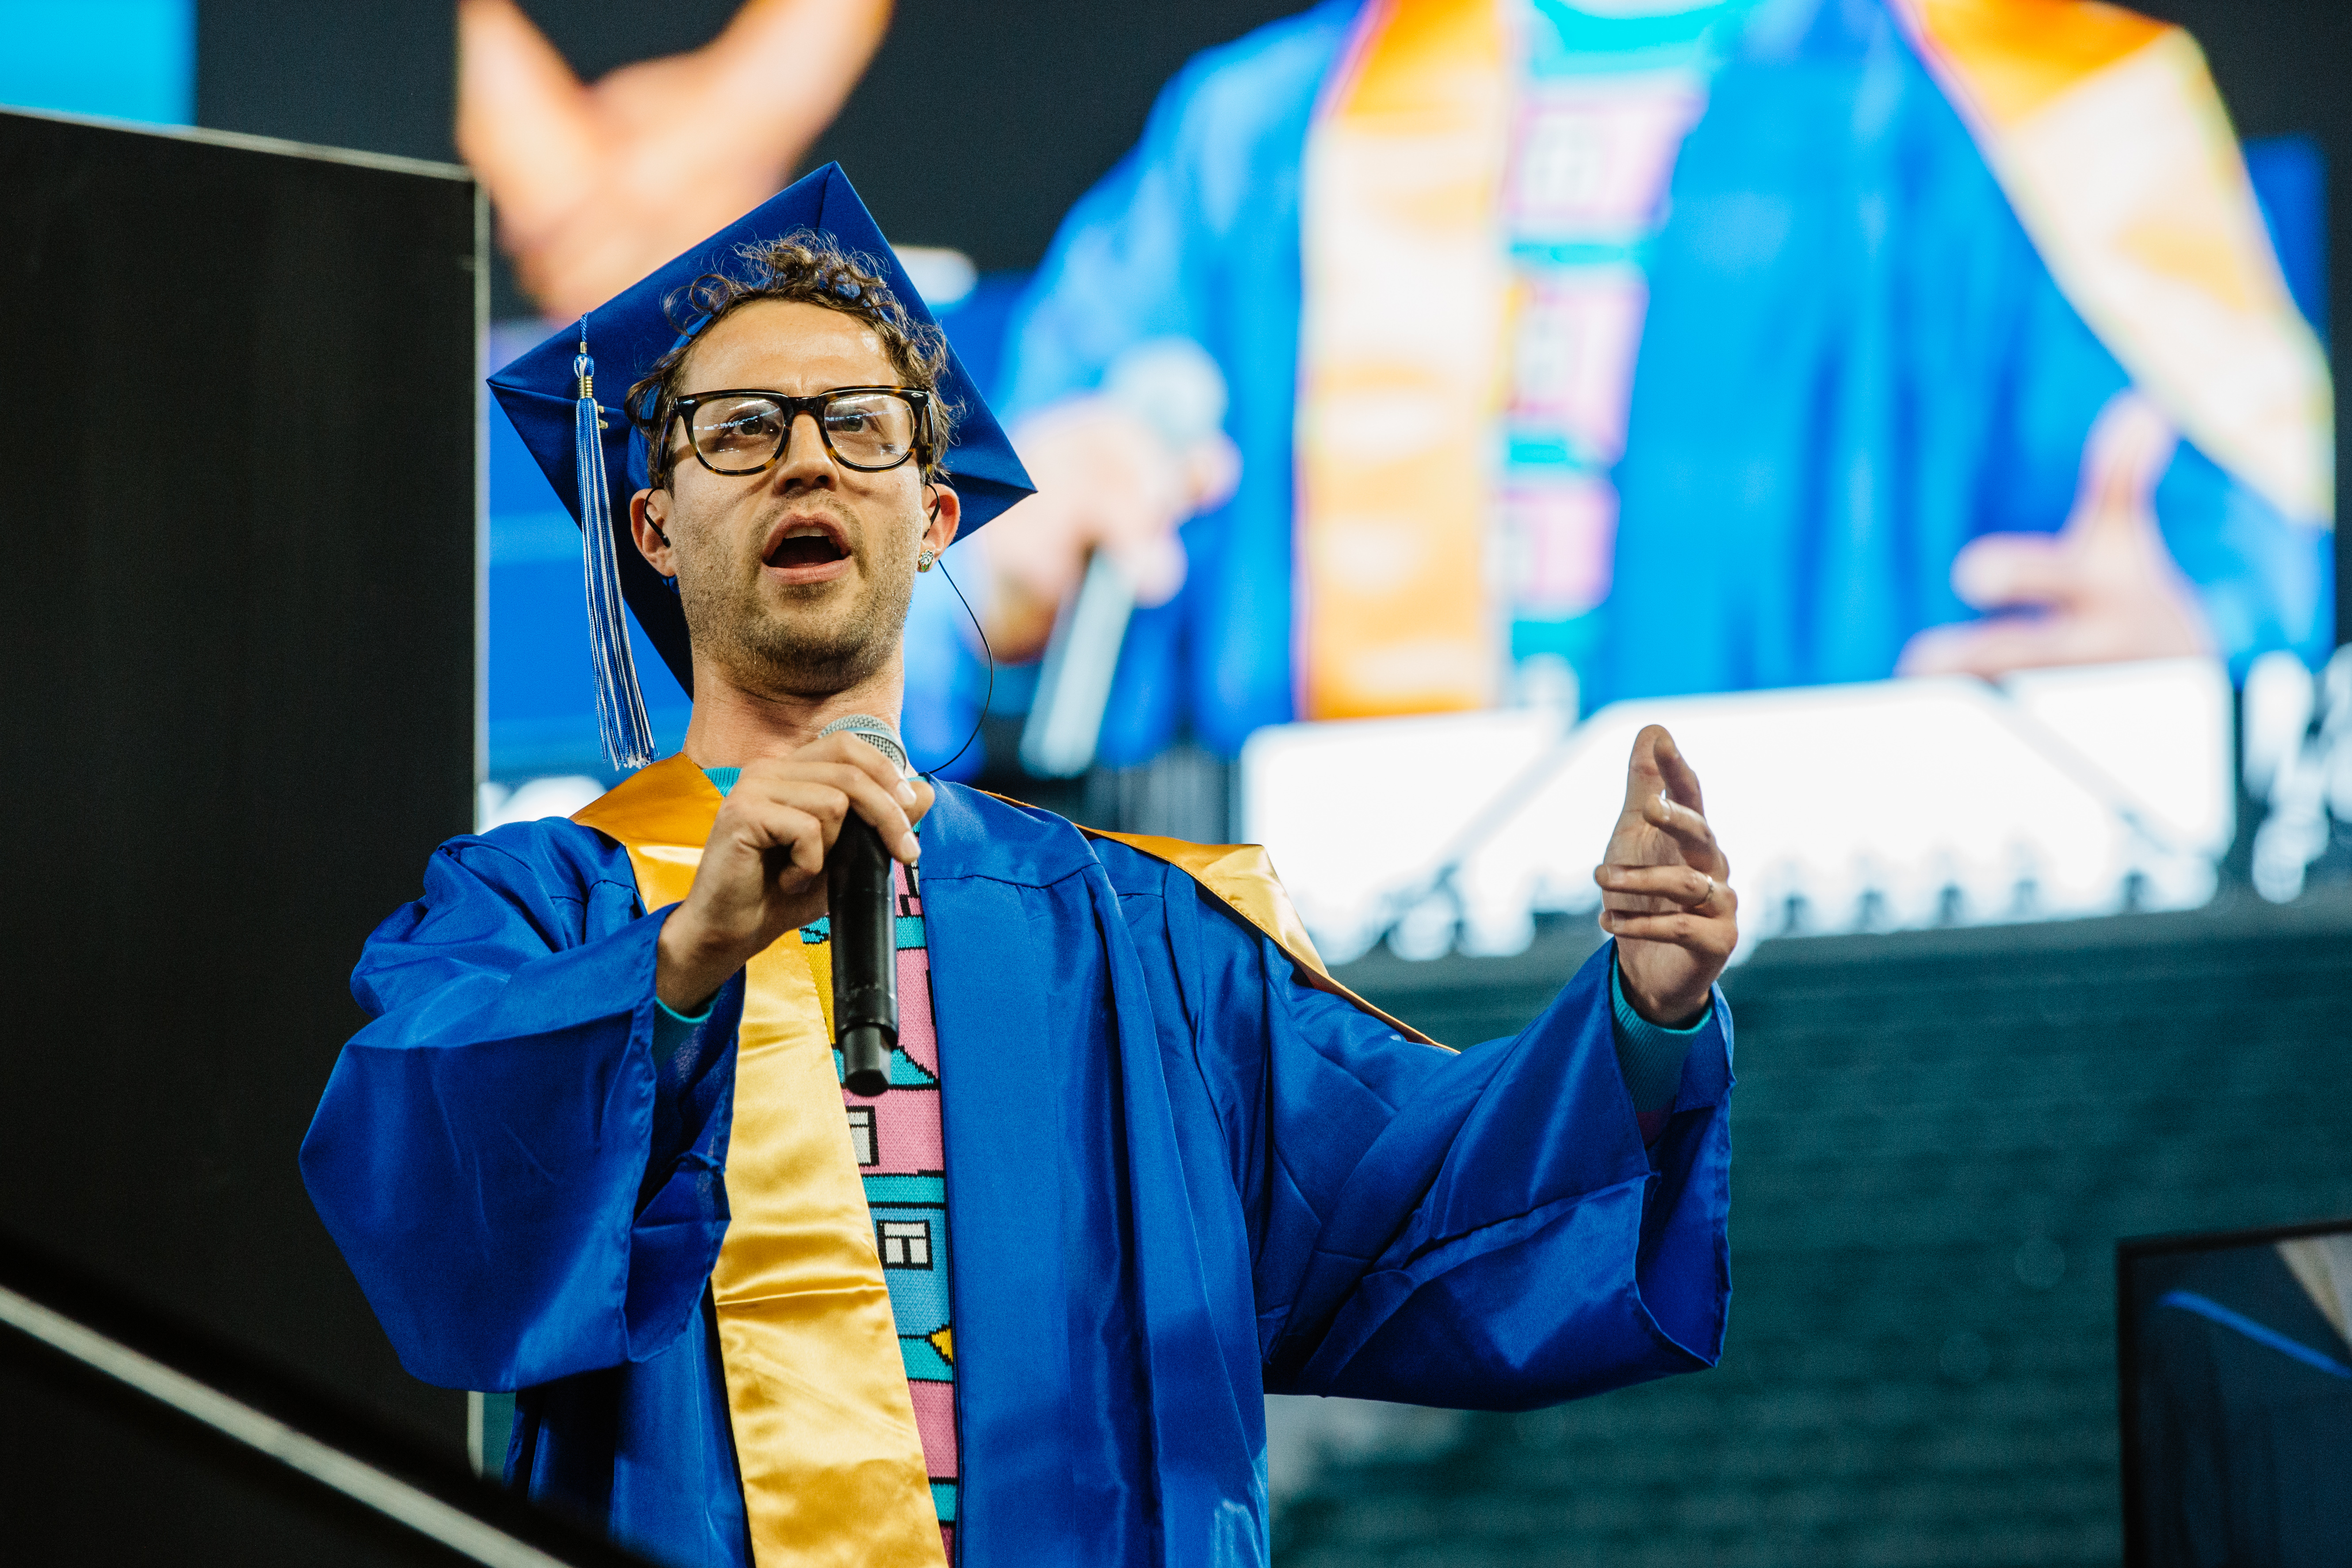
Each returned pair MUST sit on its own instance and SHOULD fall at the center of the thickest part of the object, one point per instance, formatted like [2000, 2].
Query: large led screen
[1915, 414]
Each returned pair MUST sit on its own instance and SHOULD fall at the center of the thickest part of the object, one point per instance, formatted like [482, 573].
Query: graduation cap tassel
[620, 702]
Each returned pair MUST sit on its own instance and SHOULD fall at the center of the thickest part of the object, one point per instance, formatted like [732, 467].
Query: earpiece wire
[986, 652]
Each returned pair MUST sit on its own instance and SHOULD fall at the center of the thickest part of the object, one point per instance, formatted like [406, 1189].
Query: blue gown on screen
[1177, 1177]
[2244, 1418]
[1853, 362]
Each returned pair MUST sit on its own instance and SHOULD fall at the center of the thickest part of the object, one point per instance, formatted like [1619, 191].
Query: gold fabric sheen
[816, 1386]
[1243, 876]
[833, 1467]
[2110, 139]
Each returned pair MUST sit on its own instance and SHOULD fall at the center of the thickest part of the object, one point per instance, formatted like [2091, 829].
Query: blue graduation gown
[1177, 1178]
[1854, 362]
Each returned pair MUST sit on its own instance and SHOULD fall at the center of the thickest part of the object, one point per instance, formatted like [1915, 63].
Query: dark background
[238, 642]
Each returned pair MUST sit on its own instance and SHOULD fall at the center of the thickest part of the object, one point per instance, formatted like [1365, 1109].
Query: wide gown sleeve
[1484, 1230]
[523, 1188]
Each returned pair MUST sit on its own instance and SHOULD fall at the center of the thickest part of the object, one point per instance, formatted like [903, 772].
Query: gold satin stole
[816, 1387]
[832, 1462]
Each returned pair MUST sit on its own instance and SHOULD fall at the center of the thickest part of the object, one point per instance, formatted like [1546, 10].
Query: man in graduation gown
[1695, 347]
[1141, 1160]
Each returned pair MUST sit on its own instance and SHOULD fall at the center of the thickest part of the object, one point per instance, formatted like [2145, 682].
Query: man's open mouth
[806, 545]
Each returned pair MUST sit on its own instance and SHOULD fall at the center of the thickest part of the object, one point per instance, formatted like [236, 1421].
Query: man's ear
[648, 520]
[945, 511]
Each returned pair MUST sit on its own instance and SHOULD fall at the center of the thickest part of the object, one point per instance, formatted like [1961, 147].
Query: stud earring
[923, 561]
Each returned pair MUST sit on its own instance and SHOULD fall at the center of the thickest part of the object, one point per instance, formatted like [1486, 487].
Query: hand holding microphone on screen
[2103, 589]
[764, 868]
[1118, 472]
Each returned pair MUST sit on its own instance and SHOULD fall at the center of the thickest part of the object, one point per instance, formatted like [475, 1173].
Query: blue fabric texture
[2261, 1334]
[1182, 1178]
[1854, 362]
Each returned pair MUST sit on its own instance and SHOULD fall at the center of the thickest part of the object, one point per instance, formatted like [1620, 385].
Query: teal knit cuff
[1650, 1055]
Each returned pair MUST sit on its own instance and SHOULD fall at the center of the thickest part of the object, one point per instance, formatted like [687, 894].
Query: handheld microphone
[1174, 386]
[864, 917]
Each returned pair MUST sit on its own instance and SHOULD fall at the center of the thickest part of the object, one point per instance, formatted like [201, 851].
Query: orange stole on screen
[2109, 138]
[832, 1462]
[1402, 351]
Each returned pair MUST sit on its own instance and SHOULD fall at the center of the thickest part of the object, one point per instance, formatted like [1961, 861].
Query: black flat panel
[238, 642]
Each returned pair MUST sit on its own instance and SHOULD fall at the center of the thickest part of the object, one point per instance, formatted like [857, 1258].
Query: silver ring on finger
[1708, 897]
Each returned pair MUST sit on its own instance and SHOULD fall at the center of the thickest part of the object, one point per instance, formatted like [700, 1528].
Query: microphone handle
[1074, 683]
[861, 904]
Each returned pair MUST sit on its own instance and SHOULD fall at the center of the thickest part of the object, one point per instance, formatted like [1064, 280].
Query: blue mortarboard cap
[585, 448]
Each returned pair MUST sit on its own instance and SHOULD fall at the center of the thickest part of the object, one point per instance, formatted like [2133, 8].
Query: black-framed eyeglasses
[745, 429]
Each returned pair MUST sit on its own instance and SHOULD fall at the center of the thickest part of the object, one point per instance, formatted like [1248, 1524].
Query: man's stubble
[797, 648]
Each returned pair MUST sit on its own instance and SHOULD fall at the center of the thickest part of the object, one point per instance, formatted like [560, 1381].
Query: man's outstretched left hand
[1665, 893]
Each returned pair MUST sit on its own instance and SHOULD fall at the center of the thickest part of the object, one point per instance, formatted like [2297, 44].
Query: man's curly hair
[807, 268]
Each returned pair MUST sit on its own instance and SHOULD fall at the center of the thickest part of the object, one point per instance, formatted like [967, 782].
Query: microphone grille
[875, 734]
